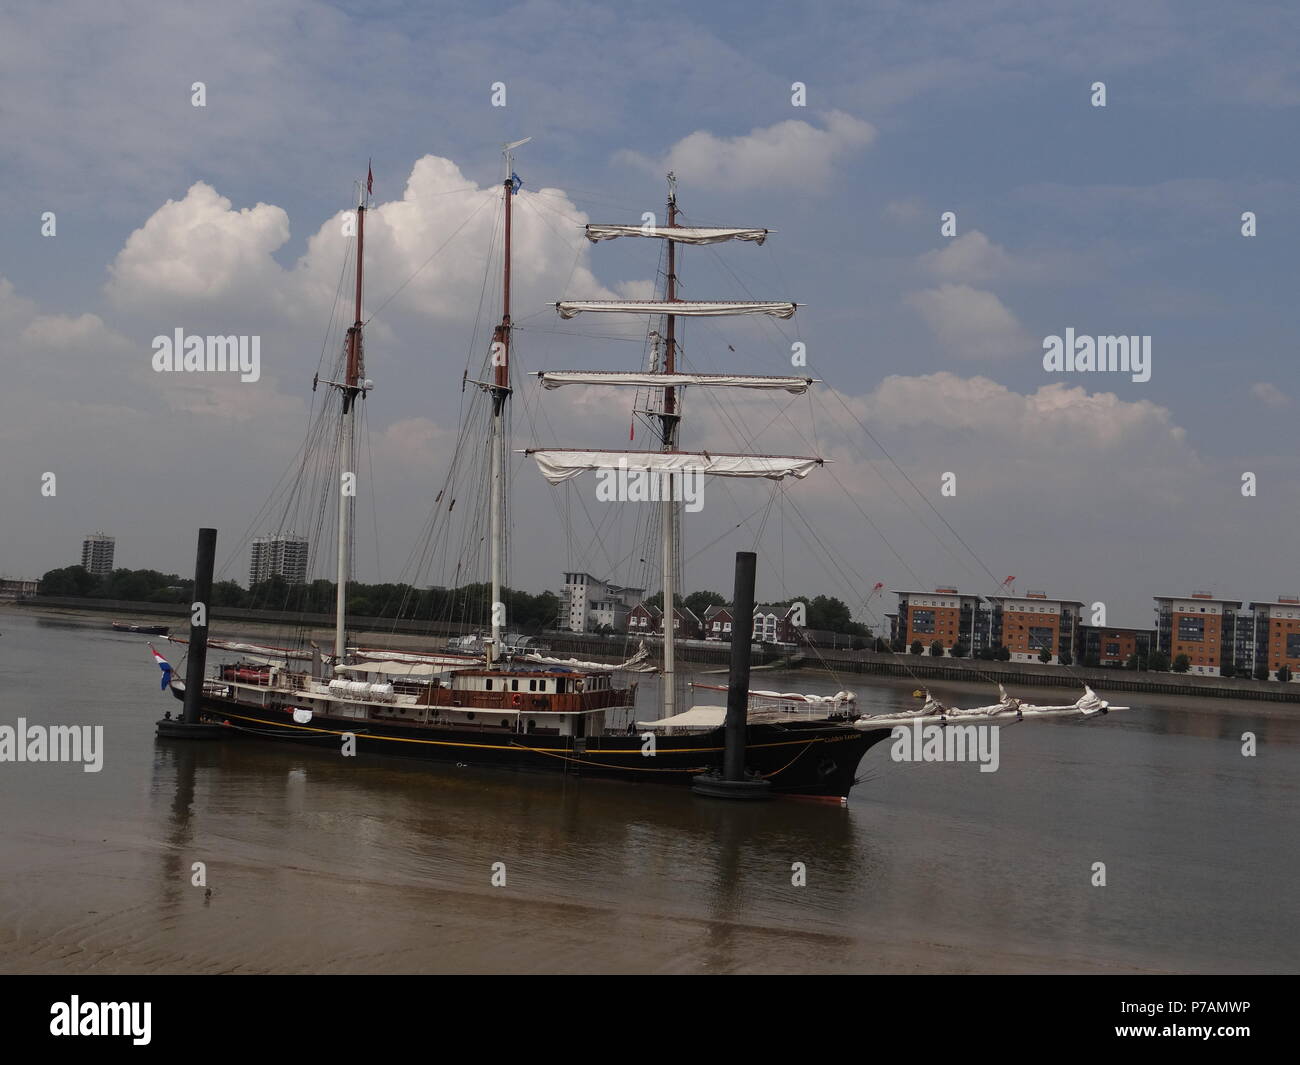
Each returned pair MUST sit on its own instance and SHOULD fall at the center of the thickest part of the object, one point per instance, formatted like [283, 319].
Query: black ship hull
[141, 630]
[815, 758]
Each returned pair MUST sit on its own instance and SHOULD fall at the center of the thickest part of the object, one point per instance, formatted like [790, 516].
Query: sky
[928, 339]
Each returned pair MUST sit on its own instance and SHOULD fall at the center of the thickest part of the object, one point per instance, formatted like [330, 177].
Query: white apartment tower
[588, 603]
[97, 554]
[282, 556]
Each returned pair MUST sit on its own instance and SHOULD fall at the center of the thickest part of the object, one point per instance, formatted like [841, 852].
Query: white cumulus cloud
[202, 259]
[969, 257]
[789, 154]
[1055, 419]
[969, 322]
[1269, 394]
[197, 249]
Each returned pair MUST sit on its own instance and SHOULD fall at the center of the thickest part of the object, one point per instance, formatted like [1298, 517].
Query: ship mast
[351, 387]
[500, 390]
[669, 419]
[560, 464]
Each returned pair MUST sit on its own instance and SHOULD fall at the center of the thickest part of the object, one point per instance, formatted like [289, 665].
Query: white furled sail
[559, 378]
[840, 698]
[638, 663]
[1007, 708]
[678, 234]
[559, 466]
[679, 308]
[254, 652]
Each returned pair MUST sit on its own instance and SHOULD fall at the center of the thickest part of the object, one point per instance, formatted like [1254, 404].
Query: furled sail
[261, 653]
[638, 663]
[678, 234]
[1007, 708]
[838, 699]
[559, 378]
[684, 308]
[559, 466]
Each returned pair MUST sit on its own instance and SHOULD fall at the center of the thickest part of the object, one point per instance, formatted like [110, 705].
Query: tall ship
[492, 701]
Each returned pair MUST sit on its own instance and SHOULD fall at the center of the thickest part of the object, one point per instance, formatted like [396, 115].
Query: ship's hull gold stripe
[488, 746]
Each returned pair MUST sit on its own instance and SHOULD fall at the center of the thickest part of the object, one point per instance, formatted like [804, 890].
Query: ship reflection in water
[319, 863]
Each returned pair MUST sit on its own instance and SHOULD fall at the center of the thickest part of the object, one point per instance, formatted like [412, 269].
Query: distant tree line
[470, 604]
[821, 611]
[936, 649]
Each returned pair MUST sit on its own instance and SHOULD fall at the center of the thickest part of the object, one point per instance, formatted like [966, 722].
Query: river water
[317, 863]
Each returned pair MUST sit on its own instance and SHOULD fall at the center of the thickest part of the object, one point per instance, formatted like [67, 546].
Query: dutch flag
[164, 665]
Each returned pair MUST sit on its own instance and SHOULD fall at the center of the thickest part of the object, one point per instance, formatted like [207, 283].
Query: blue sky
[1116, 220]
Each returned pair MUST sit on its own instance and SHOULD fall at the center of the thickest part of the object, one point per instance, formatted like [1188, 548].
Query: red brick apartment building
[1031, 623]
[943, 614]
[1277, 635]
[1201, 627]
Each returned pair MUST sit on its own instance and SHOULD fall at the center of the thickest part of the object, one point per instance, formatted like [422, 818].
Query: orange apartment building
[944, 615]
[1201, 627]
[1027, 624]
[1276, 634]
[1217, 636]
